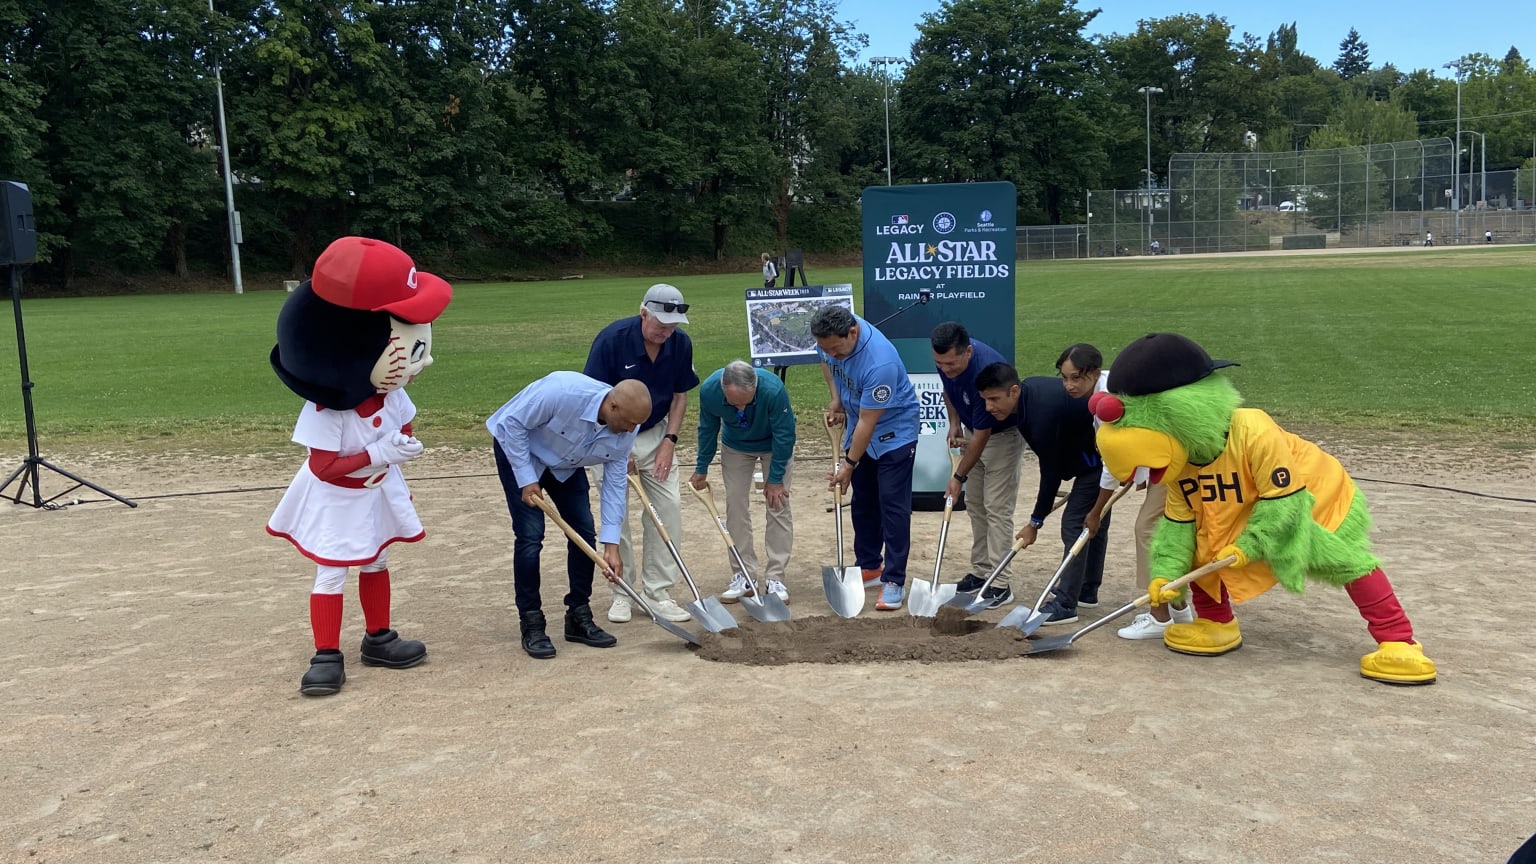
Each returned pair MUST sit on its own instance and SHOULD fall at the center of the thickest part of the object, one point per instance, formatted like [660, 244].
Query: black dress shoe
[327, 672]
[579, 627]
[386, 648]
[535, 640]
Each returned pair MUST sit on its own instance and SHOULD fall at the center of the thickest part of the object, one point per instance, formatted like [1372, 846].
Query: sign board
[779, 321]
[954, 242]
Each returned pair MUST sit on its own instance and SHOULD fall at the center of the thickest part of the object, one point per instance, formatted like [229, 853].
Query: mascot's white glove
[395, 449]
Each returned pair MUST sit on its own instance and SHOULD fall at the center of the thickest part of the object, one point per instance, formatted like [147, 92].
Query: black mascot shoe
[579, 627]
[386, 648]
[327, 672]
[535, 640]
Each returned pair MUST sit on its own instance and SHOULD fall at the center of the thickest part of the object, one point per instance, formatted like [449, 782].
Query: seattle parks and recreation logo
[943, 223]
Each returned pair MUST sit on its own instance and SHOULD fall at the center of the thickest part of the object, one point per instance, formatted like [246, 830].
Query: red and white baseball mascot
[348, 341]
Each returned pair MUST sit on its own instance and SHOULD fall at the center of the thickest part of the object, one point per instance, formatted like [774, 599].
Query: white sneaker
[739, 589]
[1143, 627]
[779, 590]
[618, 613]
[668, 610]
[1183, 616]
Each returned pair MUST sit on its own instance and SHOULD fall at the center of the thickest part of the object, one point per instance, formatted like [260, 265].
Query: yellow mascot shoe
[1203, 637]
[1398, 663]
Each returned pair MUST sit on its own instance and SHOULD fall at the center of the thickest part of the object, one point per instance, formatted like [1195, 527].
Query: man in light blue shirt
[748, 410]
[543, 440]
[872, 395]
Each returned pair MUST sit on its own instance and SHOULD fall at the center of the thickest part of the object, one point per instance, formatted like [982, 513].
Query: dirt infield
[151, 710]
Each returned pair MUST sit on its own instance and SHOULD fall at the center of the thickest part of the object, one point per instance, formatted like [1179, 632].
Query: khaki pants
[658, 571]
[1147, 519]
[736, 469]
[991, 492]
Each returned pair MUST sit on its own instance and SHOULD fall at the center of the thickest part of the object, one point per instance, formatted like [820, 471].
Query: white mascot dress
[348, 341]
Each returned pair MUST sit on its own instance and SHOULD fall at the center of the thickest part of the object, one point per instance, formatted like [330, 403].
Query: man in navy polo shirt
[989, 467]
[873, 397]
[649, 348]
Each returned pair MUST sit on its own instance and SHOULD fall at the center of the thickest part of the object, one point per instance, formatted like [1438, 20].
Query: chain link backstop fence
[1395, 194]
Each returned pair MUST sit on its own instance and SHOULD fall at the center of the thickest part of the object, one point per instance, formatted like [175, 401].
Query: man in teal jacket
[748, 411]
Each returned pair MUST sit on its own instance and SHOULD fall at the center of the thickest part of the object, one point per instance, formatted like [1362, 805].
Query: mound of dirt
[828, 639]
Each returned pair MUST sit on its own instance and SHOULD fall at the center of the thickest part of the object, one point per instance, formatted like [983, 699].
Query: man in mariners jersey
[872, 396]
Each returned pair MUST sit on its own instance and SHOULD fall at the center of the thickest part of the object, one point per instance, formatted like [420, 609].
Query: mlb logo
[899, 220]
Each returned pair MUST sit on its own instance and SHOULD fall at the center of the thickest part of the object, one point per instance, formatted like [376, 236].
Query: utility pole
[1146, 225]
[886, 63]
[229, 183]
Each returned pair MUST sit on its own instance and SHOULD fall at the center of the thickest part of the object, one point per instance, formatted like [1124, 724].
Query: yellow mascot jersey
[1261, 460]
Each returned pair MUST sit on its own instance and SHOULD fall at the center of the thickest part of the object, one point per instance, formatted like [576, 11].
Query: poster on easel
[779, 321]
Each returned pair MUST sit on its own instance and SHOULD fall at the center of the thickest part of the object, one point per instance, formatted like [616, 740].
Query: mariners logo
[943, 223]
[882, 393]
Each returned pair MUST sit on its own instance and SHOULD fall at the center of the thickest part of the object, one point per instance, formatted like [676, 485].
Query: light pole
[1483, 183]
[229, 186]
[886, 62]
[1456, 162]
[1147, 226]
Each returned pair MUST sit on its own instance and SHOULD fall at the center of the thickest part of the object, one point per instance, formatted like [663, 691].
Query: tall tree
[21, 128]
[1008, 90]
[1354, 56]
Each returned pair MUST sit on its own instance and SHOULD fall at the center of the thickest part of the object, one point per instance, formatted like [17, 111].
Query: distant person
[650, 349]
[1487, 236]
[1429, 238]
[1157, 248]
[770, 271]
[874, 399]
[748, 411]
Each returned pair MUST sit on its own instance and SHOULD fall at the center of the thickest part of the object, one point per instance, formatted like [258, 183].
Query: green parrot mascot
[1239, 485]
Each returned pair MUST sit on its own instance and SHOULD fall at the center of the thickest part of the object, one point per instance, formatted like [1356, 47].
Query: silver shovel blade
[962, 599]
[1055, 643]
[767, 608]
[921, 599]
[1023, 617]
[664, 624]
[844, 595]
[709, 613]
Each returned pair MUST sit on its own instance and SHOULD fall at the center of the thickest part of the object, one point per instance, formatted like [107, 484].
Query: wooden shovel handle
[1146, 599]
[645, 501]
[570, 534]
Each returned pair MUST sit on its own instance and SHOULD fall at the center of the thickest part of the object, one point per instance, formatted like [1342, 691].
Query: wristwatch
[671, 436]
[850, 460]
[1036, 523]
[961, 477]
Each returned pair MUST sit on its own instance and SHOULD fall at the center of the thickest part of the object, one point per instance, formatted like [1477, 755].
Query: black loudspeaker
[18, 233]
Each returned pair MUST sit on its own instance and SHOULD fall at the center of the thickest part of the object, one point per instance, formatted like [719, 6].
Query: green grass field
[1428, 341]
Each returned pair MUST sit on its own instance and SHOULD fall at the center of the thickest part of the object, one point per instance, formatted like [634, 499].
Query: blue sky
[1410, 34]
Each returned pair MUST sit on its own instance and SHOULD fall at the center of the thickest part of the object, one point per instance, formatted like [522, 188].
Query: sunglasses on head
[668, 307]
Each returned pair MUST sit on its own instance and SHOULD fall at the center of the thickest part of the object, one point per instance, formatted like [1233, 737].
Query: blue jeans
[882, 511]
[572, 503]
[1086, 572]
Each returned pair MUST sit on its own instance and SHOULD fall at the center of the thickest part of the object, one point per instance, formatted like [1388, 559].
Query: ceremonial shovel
[634, 596]
[846, 598]
[708, 610]
[1028, 619]
[761, 603]
[975, 601]
[925, 598]
[1058, 642]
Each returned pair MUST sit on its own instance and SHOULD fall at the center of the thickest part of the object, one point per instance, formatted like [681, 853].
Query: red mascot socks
[373, 590]
[325, 621]
[1384, 616]
[1211, 610]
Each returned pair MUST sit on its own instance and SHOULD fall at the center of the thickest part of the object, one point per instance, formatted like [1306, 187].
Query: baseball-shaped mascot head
[361, 324]
[1164, 408]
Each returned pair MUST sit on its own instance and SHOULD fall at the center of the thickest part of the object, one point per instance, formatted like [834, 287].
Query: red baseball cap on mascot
[361, 273]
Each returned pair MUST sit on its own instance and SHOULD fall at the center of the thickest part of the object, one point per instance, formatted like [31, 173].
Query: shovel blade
[709, 613]
[921, 600]
[1023, 617]
[844, 595]
[767, 608]
[961, 599]
[676, 630]
[1055, 643]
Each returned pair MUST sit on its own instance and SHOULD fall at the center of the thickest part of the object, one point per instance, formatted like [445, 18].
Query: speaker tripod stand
[29, 470]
